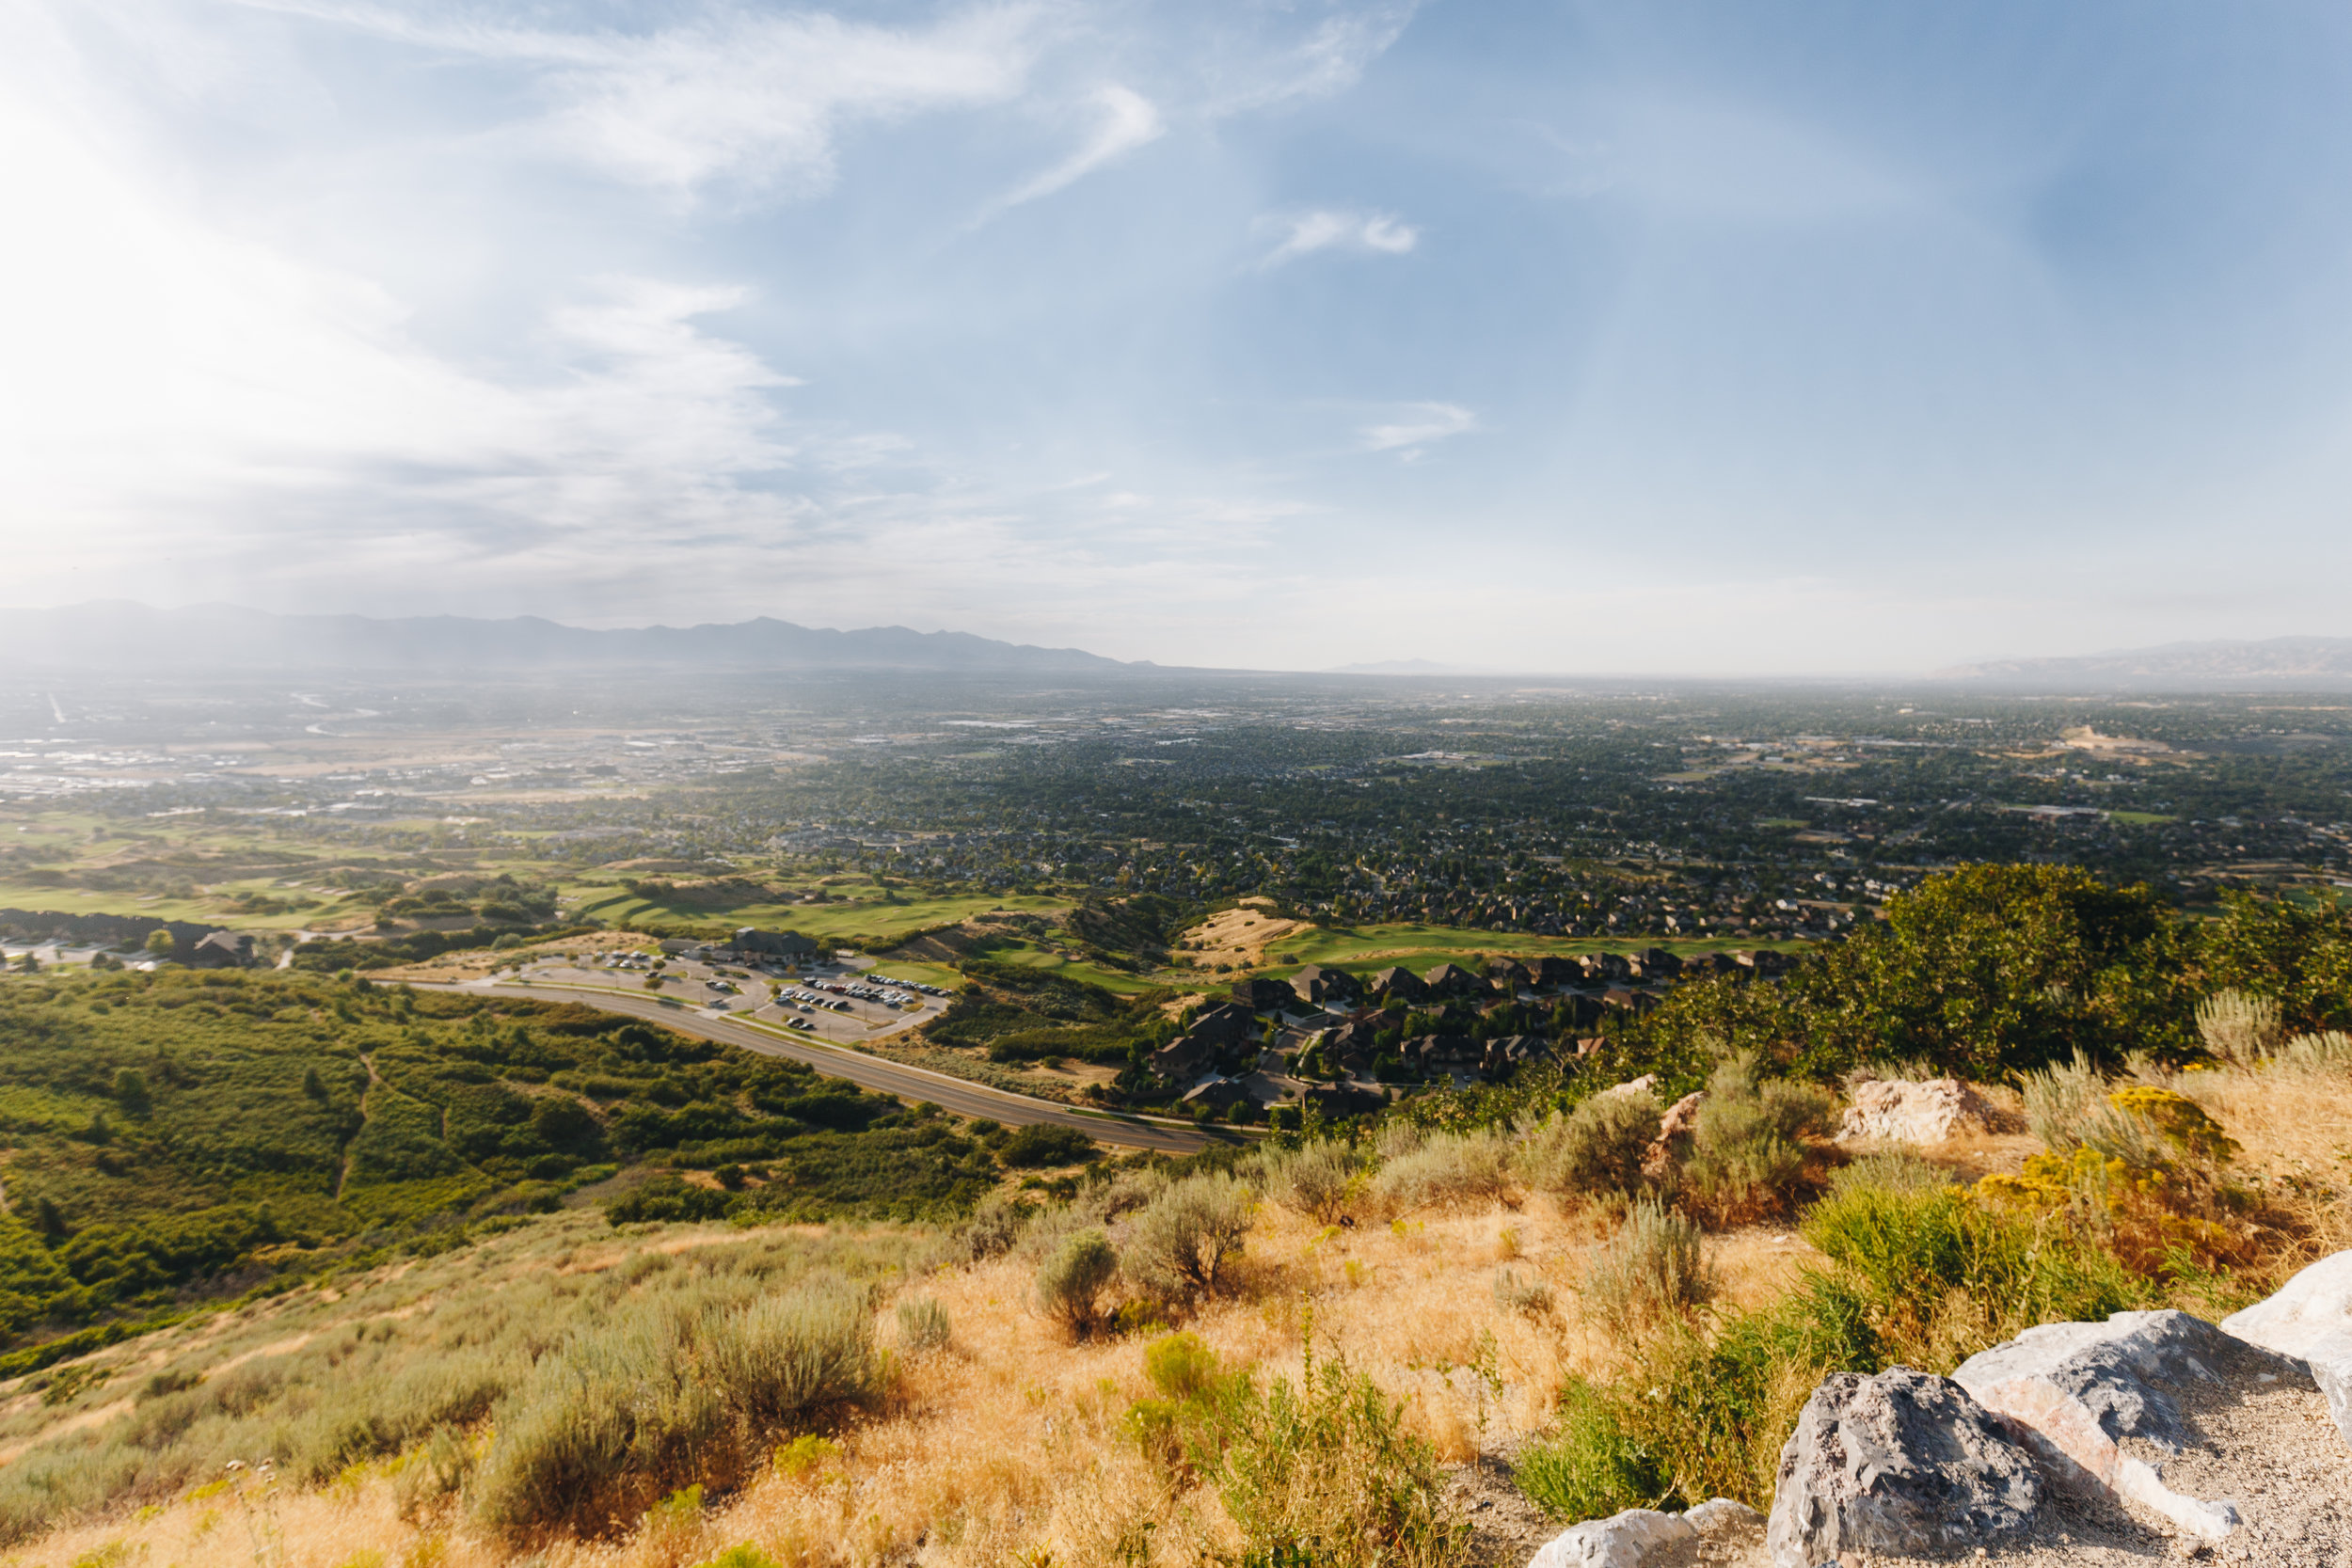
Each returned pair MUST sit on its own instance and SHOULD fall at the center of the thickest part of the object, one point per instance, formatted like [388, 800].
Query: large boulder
[2309, 1319]
[1640, 1537]
[2078, 1391]
[1928, 1112]
[1904, 1464]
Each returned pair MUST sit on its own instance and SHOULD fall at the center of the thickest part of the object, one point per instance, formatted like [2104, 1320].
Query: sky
[1738, 339]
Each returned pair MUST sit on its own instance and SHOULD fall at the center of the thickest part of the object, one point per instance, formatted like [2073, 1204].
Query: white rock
[1626, 1540]
[1647, 1084]
[2079, 1389]
[2309, 1318]
[1898, 1112]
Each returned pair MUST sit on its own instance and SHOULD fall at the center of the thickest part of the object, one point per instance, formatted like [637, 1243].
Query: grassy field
[1414, 946]
[861, 913]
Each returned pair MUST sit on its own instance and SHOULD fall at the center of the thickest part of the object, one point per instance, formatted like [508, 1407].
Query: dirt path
[343, 1168]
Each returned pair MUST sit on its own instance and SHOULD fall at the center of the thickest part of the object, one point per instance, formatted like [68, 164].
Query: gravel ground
[2269, 1447]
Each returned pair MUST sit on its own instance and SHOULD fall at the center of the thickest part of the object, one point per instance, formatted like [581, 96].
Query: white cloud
[1325, 229]
[1128, 121]
[1417, 425]
[1258, 70]
[733, 95]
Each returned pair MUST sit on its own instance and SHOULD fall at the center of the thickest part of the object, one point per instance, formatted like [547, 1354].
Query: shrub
[1747, 1151]
[1181, 1367]
[2327, 1051]
[1593, 1463]
[789, 1357]
[606, 1425]
[1449, 1169]
[1041, 1146]
[1531, 1296]
[994, 1226]
[1183, 1243]
[923, 1323]
[1652, 1268]
[2238, 1027]
[663, 1397]
[1321, 1180]
[1597, 1148]
[1325, 1473]
[1949, 1276]
[1071, 1282]
[2059, 1098]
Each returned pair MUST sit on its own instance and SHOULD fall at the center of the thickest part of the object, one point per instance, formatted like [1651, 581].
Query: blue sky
[1759, 338]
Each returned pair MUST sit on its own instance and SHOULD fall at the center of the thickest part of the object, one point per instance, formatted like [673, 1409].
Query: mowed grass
[864, 914]
[1026, 957]
[1413, 947]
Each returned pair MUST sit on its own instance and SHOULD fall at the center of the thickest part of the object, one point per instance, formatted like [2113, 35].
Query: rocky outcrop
[1640, 1537]
[1926, 1113]
[2310, 1319]
[2078, 1391]
[1903, 1464]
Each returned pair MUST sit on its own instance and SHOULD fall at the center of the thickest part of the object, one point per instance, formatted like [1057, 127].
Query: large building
[752, 942]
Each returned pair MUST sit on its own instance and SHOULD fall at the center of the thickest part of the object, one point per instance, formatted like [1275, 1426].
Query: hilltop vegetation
[176, 1134]
[1263, 1358]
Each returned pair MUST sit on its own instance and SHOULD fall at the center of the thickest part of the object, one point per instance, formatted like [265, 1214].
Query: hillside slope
[1485, 1303]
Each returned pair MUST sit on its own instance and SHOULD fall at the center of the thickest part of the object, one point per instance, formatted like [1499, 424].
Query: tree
[131, 1088]
[160, 943]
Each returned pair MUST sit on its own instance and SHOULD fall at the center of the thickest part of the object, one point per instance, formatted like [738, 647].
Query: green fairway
[2140, 818]
[1026, 957]
[1363, 948]
[863, 915]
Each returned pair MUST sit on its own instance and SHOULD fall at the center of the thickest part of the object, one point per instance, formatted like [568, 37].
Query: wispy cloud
[1126, 120]
[1261, 69]
[1325, 229]
[732, 95]
[1419, 425]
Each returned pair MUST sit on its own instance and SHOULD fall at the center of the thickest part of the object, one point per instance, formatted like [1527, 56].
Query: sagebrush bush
[1321, 1180]
[1183, 1243]
[2059, 1099]
[923, 1323]
[1748, 1151]
[994, 1226]
[2327, 1051]
[1597, 1148]
[2238, 1027]
[606, 1426]
[1071, 1282]
[789, 1358]
[1447, 1170]
[670, 1394]
[1653, 1268]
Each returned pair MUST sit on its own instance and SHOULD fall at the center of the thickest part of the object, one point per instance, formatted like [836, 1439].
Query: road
[963, 1097]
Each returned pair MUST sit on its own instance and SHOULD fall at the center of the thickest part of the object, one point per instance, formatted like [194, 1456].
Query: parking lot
[844, 999]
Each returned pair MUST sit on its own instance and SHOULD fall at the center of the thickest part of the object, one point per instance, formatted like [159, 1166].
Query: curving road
[962, 1097]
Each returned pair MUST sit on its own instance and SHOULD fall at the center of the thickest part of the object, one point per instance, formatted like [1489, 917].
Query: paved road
[958, 1095]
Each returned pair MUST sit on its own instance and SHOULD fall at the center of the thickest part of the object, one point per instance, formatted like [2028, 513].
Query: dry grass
[1239, 936]
[1005, 1445]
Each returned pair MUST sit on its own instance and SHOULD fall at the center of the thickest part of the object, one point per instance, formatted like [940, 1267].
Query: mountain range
[119, 634]
[2278, 662]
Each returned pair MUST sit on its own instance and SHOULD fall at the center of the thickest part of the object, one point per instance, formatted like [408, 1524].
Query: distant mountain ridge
[118, 634]
[2276, 661]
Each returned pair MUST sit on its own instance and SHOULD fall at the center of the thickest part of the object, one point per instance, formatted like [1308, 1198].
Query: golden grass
[1005, 1448]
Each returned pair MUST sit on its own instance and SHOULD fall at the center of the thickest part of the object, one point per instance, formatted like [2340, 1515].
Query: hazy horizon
[1656, 340]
